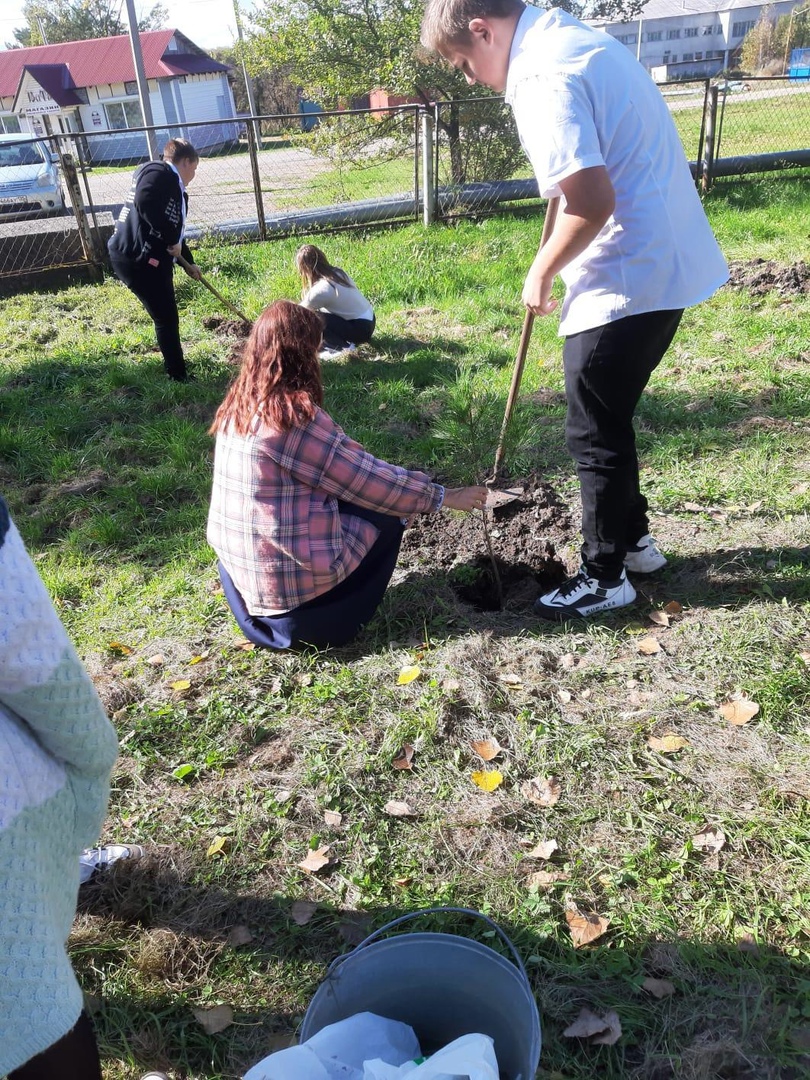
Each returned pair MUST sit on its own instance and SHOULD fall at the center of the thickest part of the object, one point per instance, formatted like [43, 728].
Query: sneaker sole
[554, 614]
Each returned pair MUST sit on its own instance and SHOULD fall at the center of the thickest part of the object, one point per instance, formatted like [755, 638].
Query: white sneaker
[583, 595]
[92, 859]
[644, 557]
[154, 1076]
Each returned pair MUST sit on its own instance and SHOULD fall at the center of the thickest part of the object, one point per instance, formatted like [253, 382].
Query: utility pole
[248, 81]
[140, 78]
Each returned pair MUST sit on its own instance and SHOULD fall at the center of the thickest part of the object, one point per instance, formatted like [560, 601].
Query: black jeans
[606, 370]
[73, 1057]
[339, 332]
[154, 287]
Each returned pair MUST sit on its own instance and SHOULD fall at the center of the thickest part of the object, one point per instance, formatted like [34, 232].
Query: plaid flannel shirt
[274, 520]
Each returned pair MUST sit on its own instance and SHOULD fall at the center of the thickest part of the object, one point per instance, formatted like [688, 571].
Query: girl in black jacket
[149, 236]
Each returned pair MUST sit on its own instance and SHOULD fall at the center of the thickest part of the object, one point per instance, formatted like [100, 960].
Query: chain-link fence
[266, 176]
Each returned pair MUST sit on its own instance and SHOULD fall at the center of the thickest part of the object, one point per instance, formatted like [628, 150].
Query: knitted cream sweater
[57, 749]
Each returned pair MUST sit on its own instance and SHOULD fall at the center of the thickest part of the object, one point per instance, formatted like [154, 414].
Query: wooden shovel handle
[187, 266]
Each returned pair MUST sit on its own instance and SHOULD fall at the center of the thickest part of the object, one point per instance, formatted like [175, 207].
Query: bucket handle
[436, 911]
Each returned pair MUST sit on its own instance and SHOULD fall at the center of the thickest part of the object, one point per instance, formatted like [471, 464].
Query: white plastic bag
[470, 1056]
[337, 1052]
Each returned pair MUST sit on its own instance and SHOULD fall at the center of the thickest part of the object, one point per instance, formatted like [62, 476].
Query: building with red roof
[89, 86]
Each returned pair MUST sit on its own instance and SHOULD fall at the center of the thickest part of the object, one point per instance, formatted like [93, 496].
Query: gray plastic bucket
[442, 985]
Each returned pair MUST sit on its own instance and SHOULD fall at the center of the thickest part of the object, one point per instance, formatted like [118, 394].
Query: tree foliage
[54, 21]
[766, 47]
[273, 89]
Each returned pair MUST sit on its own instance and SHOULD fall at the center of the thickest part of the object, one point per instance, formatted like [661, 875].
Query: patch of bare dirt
[231, 329]
[525, 535]
[762, 276]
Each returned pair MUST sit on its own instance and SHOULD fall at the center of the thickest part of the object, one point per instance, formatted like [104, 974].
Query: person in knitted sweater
[57, 750]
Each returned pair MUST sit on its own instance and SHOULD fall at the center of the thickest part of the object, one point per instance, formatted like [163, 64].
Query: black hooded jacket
[151, 218]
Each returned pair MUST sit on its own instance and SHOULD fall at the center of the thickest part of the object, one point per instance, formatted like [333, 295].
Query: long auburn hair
[313, 265]
[280, 377]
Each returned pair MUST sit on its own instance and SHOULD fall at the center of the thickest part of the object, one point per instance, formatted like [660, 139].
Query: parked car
[29, 178]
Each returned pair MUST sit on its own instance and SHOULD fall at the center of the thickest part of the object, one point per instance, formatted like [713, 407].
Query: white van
[29, 178]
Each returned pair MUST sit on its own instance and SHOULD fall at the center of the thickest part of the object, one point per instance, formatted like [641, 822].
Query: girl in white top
[348, 318]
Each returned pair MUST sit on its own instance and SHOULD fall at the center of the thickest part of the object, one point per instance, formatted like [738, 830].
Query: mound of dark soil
[223, 327]
[761, 276]
[524, 533]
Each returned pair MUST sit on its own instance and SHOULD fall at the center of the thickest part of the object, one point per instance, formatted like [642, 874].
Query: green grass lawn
[234, 764]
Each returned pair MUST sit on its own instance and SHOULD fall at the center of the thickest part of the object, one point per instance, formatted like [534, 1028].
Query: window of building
[690, 31]
[10, 124]
[672, 34]
[740, 29]
[688, 56]
[626, 39]
[698, 55]
[124, 114]
[654, 35]
[708, 30]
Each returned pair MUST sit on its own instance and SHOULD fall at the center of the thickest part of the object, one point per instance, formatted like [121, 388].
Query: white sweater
[344, 300]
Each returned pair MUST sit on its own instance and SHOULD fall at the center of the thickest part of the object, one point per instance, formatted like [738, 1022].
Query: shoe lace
[573, 584]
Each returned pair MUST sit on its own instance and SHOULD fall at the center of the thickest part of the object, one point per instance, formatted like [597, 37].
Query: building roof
[666, 9]
[109, 60]
[56, 80]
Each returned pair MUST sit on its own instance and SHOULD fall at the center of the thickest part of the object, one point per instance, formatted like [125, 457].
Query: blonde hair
[448, 21]
[313, 265]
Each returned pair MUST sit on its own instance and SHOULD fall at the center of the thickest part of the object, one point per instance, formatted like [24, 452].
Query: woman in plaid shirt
[306, 524]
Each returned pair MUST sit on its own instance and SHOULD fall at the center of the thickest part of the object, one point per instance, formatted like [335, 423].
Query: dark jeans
[337, 616]
[338, 332]
[73, 1057]
[606, 370]
[154, 287]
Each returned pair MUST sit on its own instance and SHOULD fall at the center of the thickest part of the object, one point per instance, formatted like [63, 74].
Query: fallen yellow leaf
[667, 744]
[488, 780]
[487, 749]
[120, 649]
[219, 846]
[648, 646]
[408, 674]
[739, 711]
[197, 659]
[180, 684]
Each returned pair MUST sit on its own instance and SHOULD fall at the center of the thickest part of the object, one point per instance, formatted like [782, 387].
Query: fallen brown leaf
[487, 749]
[673, 608]
[739, 711]
[510, 679]
[239, 935]
[398, 809]
[659, 618]
[586, 1025]
[332, 817]
[613, 1031]
[544, 850]
[804, 656]
[157, 660]
[316, 860]
[564, 696]
[542, 790]
[214, 1020]
[709, 840]
[659, 988]
[302, 911]
[404, 757]
[667, 744]
[648, 646]
[544, 879]
[584, 926]
[244, 645]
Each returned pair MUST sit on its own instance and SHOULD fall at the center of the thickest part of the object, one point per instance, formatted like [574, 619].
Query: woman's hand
[466, 498]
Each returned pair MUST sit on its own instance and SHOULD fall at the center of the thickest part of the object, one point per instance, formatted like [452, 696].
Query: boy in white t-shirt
[631, 242]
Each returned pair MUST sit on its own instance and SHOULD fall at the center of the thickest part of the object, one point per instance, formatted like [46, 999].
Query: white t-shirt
[580, 100]
[344, 300]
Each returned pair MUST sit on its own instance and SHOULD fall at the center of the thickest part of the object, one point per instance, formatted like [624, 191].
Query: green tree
[53, 21]
[340, 50]
[273, 89]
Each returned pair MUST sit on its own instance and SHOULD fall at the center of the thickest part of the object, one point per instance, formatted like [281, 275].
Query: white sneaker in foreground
[644, 557]
[583, 595]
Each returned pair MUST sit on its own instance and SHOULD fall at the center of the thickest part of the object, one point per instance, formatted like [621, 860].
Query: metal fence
[266, 176]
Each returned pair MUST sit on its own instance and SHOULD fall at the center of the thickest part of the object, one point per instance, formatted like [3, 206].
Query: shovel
[187, 266]
[523, 348]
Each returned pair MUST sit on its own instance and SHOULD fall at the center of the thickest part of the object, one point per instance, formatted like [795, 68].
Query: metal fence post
[89, 241]
[708, 144]
[257, 179]
[428, 188]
